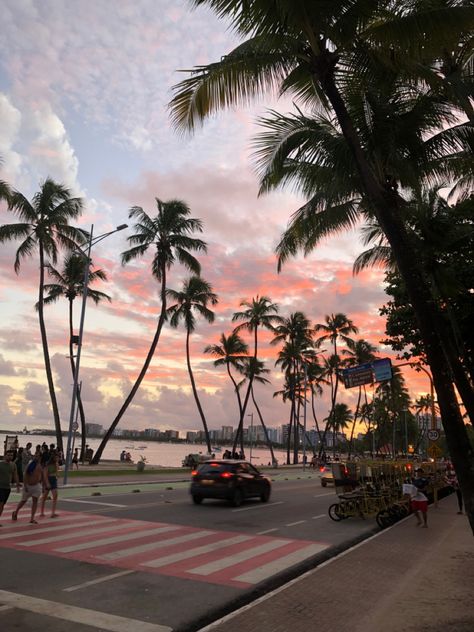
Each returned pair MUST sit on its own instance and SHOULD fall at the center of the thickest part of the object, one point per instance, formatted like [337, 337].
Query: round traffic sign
[433, 435]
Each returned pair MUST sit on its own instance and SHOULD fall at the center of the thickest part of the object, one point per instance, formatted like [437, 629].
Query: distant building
[227, 433]
[152, 433]
[170, 434]
[94, 429]
[191, 436]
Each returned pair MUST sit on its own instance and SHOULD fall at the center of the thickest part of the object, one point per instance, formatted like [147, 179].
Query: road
[154, 562]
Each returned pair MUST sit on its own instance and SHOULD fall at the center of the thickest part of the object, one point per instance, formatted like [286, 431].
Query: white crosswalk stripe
[151, 546]
[113, 540]
[33, 529]
[80, 534]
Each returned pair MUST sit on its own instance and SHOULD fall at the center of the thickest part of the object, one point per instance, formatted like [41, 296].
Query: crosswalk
[219, 557]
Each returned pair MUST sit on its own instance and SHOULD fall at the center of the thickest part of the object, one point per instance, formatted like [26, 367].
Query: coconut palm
[358, 352]
[259, 312]
[339, 57]
[231, 353]
[338, 421]
[170, 234]
[69, 284]
[193, 299]
[44, 228]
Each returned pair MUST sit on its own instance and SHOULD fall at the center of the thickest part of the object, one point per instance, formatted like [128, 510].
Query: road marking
[3, 608]
[151, 546]
[199, 550]
[292, 524]
[322, 495]
[267, 531]
[32, 530]
[69, 536]
[317, 517]
[265, 571]
[262, 506]
[91, 502]
[99, 580]
[84, 616]
[114, 539]
[231, 560]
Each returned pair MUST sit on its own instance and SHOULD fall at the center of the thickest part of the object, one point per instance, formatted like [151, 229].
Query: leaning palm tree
[44, 228]
[231, 353]
[69, 284]
[259, 312]
[193, 299]
[341, 58]
[170, 234]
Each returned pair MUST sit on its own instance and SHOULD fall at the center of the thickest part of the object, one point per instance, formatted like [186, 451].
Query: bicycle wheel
[383, 519]
[335, 513]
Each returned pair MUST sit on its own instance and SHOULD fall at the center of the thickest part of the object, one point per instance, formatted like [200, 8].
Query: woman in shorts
[50, 482]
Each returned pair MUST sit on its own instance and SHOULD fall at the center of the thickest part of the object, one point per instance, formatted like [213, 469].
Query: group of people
[37, 473]
[126, 457]
[228, 454]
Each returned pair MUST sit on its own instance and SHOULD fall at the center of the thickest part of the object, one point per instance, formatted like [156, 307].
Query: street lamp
[87, 255]
[251, 434]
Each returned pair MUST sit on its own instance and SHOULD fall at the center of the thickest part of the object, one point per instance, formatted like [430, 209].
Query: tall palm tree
[305, 48]
[44, 228]
[69, 283]
[259, 312]
[358, 352]
[231, 353]
[170, 234]
[339, 421]
[193, 299]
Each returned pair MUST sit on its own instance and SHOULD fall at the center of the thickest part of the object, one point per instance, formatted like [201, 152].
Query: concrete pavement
[404, 579]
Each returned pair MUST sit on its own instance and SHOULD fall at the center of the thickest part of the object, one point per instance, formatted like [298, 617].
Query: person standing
[26, 456]
[50, 482]
[8, 473]
[452, 480]
[75, 459]
[31, 488]
[19, 464]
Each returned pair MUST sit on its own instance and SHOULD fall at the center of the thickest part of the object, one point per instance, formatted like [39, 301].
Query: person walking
[452, 480]
[75, 459]
[32, 488]
[8, 473]
[19, 464]
[26, 456]
[50, 482]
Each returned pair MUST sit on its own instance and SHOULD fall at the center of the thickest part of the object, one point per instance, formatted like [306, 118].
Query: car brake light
[214, 464]
[321, 469]
[226, 475]
[194, 473]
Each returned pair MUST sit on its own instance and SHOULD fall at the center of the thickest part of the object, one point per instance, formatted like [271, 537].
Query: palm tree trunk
[141, 375]
[386, 206]
[290, 428]
[73, 371]
[267, 438]
[356, 414]
[240, 429]
[313, 408]
[47, 361]
[195, 393]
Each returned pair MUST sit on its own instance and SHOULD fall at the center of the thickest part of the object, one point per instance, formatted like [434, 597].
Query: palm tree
[358, 352]
[259, 312]
[69, 283]
[170, 233]
[338, 421]
[341, 58]
[195, 297]
[44, 228]
[231, 352]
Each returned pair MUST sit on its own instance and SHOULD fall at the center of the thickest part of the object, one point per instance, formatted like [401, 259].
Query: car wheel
[265, 495]
[323, 483]
[197, 500]
[237, 498]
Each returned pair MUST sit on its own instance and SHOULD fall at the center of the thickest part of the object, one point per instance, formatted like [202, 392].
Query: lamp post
[92, 241]
[304, 416]
[251, 434]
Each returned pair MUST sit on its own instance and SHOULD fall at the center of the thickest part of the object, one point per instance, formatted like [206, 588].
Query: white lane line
[99, 580]
[267, 531]
[267, 570]
[3, 608]
[90, 502]
[292, 524]
[136, 535]
[151, 546]
[231, 560]
[262, 506]
[199, 550]
[74, 614]
[33, 530]
[79, 534]
[322, 495]
[317, 517]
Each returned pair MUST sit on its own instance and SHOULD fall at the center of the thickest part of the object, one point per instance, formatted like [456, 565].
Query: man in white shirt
[419, 504]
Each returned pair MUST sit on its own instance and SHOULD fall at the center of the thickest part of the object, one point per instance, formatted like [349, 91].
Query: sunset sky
[84, 88]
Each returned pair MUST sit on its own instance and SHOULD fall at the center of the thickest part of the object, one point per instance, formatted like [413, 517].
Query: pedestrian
[32, 488]
[45, 455]
[418, 500]
[452, 480]
[8, 473]
[19, 464]
[26, 456]
[50, 482]
[75, 459]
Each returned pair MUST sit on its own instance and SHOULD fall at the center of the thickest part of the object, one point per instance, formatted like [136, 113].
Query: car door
[245, 479]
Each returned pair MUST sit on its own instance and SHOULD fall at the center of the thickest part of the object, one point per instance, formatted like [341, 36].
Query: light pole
[304, 416]
[251, 434]
[92, 241]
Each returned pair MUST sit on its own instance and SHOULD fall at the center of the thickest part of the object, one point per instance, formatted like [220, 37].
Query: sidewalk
[405, 579]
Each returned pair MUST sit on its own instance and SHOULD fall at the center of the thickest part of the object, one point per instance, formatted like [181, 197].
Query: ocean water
[156, 453]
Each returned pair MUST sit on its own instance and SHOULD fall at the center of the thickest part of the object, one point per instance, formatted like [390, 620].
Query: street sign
[376, 371]
[382, 369]
[434, 451]
[433, 435]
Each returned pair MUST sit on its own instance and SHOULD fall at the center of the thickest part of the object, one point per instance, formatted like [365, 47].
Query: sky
[84, 90]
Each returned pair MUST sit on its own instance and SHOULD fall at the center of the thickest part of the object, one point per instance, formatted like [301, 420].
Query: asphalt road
[154, 562]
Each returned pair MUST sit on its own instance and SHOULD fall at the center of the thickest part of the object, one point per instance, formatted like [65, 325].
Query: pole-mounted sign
[377, 371]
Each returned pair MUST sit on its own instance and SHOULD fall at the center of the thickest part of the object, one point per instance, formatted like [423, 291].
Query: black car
[230, 480]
